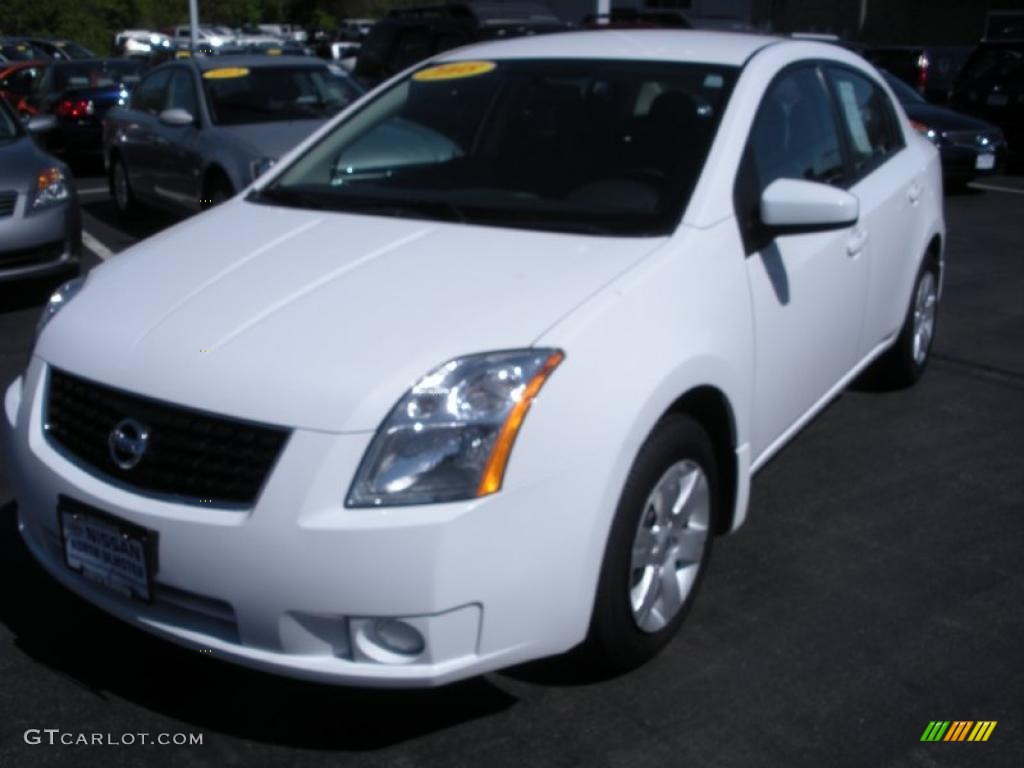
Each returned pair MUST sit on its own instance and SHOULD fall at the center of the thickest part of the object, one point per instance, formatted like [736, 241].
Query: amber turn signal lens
[494, 470]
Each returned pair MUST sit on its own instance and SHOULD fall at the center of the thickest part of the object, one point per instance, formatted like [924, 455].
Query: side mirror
[41, 123]
[792, 207]
[176, 117]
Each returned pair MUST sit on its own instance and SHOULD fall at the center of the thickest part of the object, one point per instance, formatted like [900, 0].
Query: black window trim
[754, 235]
[852, 174]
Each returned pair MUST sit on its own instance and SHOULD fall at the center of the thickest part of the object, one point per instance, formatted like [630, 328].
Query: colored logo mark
[958, 730]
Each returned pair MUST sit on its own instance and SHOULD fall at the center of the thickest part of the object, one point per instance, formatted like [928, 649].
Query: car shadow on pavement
[34, 292]
[103, 655]
[138, 226]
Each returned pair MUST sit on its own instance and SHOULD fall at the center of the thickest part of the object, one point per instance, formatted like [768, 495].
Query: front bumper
[39, 243]
[960, 163]
[290, 585]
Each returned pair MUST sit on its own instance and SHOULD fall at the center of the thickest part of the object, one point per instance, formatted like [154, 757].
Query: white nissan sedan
[476, 373]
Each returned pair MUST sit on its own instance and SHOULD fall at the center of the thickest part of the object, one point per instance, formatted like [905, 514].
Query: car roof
[205, 63]
[730, 48]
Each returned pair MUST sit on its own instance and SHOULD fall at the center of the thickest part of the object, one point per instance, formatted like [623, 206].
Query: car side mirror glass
[792, 206]
[177, 117]
[40, 123]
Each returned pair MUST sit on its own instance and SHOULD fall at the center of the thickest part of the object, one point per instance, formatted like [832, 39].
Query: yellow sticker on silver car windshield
[454, 71]
[225, 73]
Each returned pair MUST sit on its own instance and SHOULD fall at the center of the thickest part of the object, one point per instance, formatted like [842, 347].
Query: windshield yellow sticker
[273, 51]
[225, 73]
[454, 71]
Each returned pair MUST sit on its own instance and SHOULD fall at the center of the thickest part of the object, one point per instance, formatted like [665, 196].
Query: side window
[182, 93]
[794, 133]
[151, 92]
[868, 119]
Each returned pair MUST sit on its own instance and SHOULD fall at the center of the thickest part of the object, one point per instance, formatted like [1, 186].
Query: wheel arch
[709, 406]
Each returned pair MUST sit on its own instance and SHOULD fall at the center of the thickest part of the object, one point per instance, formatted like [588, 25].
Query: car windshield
[239, 95]
[1001, 62]
[599, 147]
[74, 50]
[904, 92]
[96, 74]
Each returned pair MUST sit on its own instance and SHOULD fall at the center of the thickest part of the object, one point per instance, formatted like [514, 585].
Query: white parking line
[996, 188]
[96, 246]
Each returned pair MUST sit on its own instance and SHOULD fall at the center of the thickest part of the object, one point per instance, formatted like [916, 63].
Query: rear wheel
[218, 189]
[658, 548]
[907, 359]
[121, 188]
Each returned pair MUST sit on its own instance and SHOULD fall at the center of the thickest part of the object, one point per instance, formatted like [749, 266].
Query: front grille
[28, 257]
[974, 139]
[191, 456]
[7, 202]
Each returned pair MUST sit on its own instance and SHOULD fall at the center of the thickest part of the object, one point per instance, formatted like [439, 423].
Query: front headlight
[51, 188]
[450, 437]
[58, 300]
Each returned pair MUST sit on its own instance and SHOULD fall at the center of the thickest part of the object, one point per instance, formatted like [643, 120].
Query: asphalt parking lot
[877, 585]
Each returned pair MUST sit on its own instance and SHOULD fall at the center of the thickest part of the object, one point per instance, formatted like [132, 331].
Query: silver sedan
[197, 131]
[40, 224]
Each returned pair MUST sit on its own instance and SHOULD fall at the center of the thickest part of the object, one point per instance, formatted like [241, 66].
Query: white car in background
[476, 373]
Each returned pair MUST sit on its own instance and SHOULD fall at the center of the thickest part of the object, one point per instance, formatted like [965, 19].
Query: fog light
[397, 636]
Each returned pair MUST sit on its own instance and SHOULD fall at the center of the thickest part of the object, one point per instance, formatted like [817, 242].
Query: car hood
[271, 139]
[319, 320]
[20, 161]
[944, 119]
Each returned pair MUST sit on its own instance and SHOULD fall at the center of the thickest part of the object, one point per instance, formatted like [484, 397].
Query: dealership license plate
[985, 162]
[107, 550]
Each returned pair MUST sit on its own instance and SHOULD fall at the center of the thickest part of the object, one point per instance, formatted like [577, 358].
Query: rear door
[807, 290]
[136, 133]
[888, 182]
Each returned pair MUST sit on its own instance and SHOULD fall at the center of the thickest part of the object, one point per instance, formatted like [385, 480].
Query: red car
[16, 80]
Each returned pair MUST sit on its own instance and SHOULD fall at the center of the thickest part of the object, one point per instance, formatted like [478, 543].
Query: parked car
[181, 36]
[17, 79]
[141, 43]
[198, 130]
[78, 94]
[991, 86]
[969, 147]
[61, 50]
[930, 70]
[409, 412]
[409, 35]
[40, 225]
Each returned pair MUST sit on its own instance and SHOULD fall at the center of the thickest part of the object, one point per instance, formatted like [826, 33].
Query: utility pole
[193, 20]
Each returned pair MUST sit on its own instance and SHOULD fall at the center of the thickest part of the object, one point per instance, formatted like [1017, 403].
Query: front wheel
[907, 359]
[658, 548]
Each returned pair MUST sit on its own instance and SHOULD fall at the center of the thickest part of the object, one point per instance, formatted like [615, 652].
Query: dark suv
[409, 35]
[991, 86]
[929, 70]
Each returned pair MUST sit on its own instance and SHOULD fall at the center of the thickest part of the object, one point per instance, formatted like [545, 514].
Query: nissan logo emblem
[128, 442]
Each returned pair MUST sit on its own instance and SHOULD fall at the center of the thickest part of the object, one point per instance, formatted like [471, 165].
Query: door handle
[856, 242]
[914, 193]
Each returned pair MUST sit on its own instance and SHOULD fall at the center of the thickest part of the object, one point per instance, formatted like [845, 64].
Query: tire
[636, 613]
[905, 362]
[218, 189]
[121, 189]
